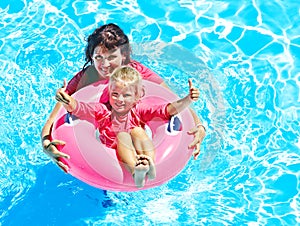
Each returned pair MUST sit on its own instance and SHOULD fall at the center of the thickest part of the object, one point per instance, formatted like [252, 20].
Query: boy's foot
[140, 170]
[152, 170]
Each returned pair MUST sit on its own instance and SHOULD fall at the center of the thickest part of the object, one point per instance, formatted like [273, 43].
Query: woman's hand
[199, 133]
[49, 147]
[199, 130]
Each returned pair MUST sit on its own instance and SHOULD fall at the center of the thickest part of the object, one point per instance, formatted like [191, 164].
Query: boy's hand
[64, 98]
[61, 95]
[194, 92]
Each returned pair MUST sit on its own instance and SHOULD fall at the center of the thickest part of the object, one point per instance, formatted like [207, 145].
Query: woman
[107, 48]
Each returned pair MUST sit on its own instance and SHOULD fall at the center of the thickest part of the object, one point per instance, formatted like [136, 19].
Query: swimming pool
[244, 56]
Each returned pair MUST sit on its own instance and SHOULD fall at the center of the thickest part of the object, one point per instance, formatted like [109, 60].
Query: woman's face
[106, 61]
[122, 98]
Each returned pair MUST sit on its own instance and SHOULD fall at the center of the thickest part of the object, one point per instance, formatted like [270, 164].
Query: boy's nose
[121, 98]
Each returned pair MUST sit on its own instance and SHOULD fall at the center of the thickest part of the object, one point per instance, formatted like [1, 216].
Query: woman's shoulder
[81, 79]
[88, 71]
[145, 72]
[136, 65]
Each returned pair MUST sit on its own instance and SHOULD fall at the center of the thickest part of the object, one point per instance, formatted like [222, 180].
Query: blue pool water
[243, 55]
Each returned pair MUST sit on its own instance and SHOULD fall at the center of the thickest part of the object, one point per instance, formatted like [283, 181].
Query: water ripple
[244, 57]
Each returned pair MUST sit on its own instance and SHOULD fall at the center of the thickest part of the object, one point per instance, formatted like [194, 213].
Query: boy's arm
[82, 110]
[179, 105]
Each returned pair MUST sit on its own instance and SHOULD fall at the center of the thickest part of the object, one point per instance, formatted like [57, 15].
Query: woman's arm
[45, 134]
[49, 146]
[198, 131]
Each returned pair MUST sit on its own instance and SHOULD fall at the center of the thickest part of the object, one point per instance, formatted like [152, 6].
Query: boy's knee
[123, 135]
[138, 132]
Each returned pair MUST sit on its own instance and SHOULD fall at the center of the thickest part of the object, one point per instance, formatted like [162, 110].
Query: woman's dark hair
[109, 37]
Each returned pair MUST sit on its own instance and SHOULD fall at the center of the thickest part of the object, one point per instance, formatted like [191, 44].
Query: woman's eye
[98, 57]
[110, 58]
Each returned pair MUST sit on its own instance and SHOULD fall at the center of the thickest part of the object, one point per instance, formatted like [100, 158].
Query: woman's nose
[106, 63]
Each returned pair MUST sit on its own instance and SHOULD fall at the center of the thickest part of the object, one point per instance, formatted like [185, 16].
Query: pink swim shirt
[110, 124]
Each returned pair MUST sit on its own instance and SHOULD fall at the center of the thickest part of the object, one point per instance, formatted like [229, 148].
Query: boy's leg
[144, 148]
[127, 154]
[142, 143]
[126, 151]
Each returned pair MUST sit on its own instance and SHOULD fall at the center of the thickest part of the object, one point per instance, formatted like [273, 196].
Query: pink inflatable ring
[97, 165]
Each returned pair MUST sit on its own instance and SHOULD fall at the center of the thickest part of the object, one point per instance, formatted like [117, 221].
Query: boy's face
[107, 61]
[122, 98]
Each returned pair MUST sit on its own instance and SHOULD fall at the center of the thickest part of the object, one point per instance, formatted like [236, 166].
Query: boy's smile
[122, 97]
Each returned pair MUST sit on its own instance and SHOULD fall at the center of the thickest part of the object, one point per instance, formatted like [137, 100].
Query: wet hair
[129, 77]
[109, 37]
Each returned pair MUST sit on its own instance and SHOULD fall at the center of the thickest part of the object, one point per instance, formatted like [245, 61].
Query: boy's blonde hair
[129, 77]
